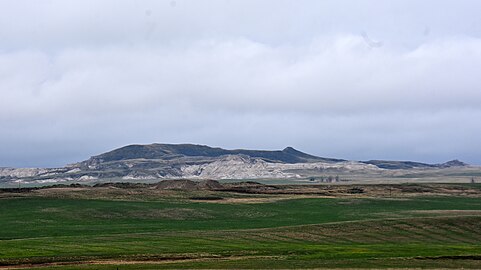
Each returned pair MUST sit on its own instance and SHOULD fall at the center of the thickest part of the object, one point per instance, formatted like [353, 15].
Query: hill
[190, 161]
[395, 165]
[172, 151]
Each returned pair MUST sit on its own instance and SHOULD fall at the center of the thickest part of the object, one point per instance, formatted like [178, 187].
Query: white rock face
[136, 177]
[87, 178]
[74, 170]
[23, 172]
[243, 167]
[234, 167]
[225, 167]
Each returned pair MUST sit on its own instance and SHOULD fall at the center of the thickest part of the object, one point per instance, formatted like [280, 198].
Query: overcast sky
[348, 79]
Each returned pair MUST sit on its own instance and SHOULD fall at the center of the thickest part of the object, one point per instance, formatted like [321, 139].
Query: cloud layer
[76, 80]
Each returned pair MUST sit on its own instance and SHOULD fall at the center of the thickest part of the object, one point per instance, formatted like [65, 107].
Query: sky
[359, 80]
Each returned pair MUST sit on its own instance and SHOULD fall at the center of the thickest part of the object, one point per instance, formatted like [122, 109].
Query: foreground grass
[301, 233]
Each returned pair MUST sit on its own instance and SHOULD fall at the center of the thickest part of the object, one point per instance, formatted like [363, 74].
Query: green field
[65, 233]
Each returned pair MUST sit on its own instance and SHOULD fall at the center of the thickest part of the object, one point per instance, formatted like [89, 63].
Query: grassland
[120, 229]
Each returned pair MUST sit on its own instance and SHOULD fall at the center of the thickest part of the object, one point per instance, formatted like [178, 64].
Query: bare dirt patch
[133, 261]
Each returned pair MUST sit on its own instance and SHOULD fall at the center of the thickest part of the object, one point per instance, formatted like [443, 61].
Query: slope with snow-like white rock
[177, 161]
[22, 172]
[234, 167]
[244, 167]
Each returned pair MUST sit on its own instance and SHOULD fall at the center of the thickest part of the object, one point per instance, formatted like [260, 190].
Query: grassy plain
[120, 229]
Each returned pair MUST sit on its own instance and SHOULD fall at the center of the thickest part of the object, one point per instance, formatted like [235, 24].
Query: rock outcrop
[187, 161]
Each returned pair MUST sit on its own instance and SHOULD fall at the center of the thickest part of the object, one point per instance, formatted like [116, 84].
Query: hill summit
[173, 151]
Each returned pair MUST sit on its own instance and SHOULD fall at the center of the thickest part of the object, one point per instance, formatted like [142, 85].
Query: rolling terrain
[244, 225]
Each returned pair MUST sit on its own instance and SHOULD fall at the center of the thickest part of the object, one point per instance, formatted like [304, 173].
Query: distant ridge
[171, 151]
[200, 162]
[395, 165]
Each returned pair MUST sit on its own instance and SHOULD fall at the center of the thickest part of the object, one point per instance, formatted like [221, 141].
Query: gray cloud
[79, 78]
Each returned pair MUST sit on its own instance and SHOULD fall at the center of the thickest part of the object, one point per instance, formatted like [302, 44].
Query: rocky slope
[174, 151]
[170, 161]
